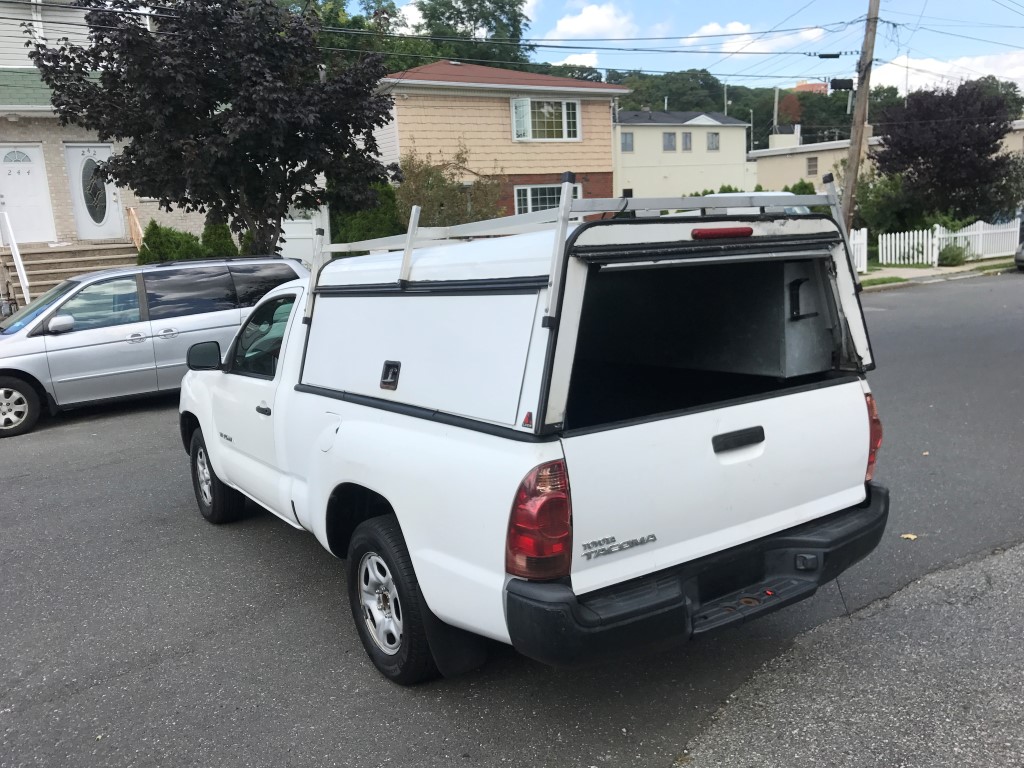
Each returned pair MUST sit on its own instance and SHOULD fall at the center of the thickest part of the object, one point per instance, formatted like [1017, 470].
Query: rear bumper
[549, 623]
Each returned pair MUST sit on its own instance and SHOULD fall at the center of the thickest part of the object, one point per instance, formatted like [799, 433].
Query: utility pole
[775, 114]
[860, 112]
[725, 98]
[751, 130]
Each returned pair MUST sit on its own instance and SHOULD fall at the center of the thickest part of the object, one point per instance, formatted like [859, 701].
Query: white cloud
[410, 17]
[595, 21]
[530, 8]
[737, 37]
[580, 59]
[931, 73]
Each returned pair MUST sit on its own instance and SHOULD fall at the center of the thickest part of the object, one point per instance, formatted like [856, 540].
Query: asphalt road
[132, 633]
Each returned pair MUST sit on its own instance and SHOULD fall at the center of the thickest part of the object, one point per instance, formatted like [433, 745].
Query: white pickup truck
[587, 436]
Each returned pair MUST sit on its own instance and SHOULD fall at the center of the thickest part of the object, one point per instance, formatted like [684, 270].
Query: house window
[627, 141]
[812, 166]
[535, 120]
[17, 156]
[687, 141]
[713, 141]
[540, 197]
[668, 142]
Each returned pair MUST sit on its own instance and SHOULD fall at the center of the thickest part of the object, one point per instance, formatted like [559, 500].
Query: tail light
[875, 436]
[539, 542]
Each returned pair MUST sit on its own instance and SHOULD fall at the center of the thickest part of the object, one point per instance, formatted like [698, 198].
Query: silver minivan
[123, 332]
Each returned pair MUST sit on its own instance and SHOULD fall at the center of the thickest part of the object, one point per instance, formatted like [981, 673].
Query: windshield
[36, 307]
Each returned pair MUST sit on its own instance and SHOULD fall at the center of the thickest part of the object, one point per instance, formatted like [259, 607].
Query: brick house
[527, 127]
[48, 182]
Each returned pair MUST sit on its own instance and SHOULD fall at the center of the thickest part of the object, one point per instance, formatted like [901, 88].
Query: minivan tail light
[875, 438]
[539, 541]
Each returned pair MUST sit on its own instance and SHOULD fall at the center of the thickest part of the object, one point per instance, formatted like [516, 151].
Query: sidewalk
[901, 276]
[932, 676]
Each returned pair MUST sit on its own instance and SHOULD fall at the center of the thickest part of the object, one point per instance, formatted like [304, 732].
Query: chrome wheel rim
[204, 476]
[13, 408]
[382, 607]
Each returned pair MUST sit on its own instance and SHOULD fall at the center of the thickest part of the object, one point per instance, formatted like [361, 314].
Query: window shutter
[521, 118]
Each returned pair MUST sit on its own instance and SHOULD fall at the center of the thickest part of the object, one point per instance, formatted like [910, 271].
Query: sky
[920, 43]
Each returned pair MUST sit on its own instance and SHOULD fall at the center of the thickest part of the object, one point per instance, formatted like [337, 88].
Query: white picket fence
[859, 249]
[980, 240]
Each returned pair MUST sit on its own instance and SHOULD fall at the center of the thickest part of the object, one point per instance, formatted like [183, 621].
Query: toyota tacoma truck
[574, 431]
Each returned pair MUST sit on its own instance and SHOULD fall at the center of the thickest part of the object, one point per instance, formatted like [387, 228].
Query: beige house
[787, 161]
[668, 154]
[527, 127]
[49, 184]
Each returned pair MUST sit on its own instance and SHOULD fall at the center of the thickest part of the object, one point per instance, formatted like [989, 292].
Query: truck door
[243, 407]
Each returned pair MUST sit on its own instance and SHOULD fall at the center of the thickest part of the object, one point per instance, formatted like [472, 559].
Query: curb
[935, 279]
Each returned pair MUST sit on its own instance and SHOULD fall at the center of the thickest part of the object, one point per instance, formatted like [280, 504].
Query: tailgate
[650, 495]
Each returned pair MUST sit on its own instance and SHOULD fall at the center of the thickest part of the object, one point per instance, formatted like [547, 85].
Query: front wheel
[218, 503]
[384, 596]
[19, 406]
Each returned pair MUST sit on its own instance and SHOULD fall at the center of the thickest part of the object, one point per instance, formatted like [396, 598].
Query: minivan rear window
[193, 291]
[254, 281]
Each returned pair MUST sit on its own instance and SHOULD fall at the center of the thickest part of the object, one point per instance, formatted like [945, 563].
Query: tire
[19, 406]
[386, 604]
[217, 502]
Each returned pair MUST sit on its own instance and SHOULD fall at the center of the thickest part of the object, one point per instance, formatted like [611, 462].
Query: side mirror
[61, 324]
[204, 356]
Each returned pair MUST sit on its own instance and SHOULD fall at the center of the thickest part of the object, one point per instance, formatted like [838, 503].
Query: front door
[244, 404]
[25, 195]
[109, 352]
[96, 202]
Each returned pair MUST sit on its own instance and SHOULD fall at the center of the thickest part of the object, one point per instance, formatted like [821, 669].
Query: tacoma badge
[608, 546]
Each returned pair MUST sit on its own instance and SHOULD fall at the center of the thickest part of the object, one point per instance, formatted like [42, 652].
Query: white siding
[12, 37]
[59, 23]
[387, 140]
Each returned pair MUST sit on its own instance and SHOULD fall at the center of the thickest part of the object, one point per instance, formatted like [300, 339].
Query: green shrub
[381, 220]
[952, 255]
[248, 246]
[166, 244]
[217, 240]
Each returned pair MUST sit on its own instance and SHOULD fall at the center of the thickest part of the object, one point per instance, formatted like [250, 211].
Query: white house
[659, 154]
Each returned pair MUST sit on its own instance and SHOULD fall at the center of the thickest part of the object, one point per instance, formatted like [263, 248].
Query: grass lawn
[882, 281]
[993, 265]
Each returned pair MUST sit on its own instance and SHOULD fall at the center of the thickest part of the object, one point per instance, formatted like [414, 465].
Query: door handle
[135, 338]
[263, 409]
[730, 441]
[168, 333]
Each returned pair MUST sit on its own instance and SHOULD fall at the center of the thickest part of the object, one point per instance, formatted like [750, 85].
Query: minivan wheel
[19, 406]
[384, 596]
[218, 503]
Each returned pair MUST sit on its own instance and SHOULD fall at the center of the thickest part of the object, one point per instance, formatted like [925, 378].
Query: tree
[221, 108]
[946, 145]
[492, 30]
[789, 109]
[441, 191]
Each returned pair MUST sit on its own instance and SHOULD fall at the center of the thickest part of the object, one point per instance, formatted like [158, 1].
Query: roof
[163, 266]
[21, 88]
[527, 255]
[459, 75]
[820, 146]
[676, 118]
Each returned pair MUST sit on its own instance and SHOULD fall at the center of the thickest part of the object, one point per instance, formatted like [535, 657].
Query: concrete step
[82, 263]
[82, 249]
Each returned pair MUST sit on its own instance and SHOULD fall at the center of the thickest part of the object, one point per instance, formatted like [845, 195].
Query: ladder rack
[558, 219]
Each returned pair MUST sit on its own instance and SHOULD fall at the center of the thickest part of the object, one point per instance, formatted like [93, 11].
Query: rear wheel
[19, 406]
[218, 503]
[384, 596]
